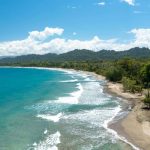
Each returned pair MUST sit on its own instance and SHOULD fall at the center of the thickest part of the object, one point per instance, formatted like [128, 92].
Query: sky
[59, 26]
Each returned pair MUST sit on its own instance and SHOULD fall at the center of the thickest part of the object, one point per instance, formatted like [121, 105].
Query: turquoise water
[43, 109]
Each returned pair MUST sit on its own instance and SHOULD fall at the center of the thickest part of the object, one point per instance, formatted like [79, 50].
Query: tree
[130, 85]
[147, 100]
[114, 74]
[130, 67]
[145, 75]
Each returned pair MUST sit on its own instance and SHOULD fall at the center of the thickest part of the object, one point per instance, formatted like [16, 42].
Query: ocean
[54, 109]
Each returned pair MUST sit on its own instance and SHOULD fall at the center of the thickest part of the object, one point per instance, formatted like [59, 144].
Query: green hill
[79, 55]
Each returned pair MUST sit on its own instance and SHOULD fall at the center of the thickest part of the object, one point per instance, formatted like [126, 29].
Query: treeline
[134, 74]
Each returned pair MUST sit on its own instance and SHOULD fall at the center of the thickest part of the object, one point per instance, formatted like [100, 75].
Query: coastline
[133, 128]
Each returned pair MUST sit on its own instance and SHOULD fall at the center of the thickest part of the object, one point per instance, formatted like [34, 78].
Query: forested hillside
[79, 55]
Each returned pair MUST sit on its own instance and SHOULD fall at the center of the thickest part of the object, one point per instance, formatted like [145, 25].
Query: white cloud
[34, 43]
[130, 2]
[142, 37]
[101, 3]
[41, 35]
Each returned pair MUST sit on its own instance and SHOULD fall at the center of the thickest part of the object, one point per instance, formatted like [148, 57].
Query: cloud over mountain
[38, 42]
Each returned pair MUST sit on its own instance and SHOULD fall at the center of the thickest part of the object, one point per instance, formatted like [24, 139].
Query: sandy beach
[135, 127]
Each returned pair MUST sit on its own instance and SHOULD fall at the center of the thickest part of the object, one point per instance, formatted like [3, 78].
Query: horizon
[41, 27]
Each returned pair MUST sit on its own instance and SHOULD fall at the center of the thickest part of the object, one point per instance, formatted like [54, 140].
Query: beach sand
[135, 127]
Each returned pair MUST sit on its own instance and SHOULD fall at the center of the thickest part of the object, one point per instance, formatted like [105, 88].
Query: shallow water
[43, 109]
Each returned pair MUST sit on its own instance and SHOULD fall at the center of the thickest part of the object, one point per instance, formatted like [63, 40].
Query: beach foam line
[73, 98]
[68, 71]
[77, 94]
[71, 72]
[45, 132]
[58, 69]
[67, 81]
[50, 143]
[106, 123]
[89, 80]
[54, 118]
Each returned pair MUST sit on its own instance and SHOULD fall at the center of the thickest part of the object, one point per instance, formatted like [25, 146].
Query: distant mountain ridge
[80, 55]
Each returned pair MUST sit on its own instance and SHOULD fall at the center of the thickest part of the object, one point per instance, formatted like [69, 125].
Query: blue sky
[81, 19]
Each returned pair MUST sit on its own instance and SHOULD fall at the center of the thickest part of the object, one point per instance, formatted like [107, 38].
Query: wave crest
[50, 143]
[54, 118]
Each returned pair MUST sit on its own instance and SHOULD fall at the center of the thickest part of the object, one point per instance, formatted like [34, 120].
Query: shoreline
[134, 127]
[110, 125]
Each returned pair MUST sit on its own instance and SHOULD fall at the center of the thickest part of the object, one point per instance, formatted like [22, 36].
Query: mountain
[80, 55]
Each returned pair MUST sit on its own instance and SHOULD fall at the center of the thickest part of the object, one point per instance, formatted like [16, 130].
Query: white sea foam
[54, 118]
[89, 79]
[106, 123]
[67, 81]
[73, 98]
[95, 118]
[116, 111]
[93, 94]
[45, 132]
[50, 143]
[68, 71]
[77, 94]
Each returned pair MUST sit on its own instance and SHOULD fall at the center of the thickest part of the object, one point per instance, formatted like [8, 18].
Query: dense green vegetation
[147, 99]
[132, 71]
